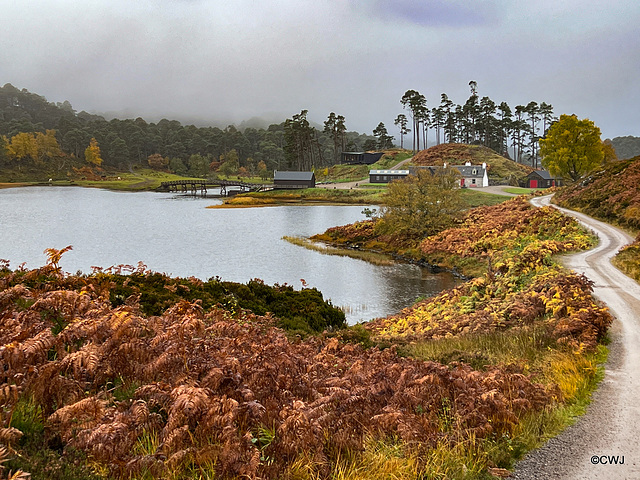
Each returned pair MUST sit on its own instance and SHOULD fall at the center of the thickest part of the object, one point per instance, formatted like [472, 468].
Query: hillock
[500, 169]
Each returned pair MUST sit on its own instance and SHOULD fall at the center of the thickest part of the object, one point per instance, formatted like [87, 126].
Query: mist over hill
[185, 149]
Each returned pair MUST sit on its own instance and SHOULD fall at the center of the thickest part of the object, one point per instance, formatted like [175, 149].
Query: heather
[612, 195]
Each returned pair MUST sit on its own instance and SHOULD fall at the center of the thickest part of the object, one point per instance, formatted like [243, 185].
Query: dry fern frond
[37, 347]
[83, 363]
[17, 475]
[11, 294]
[81, 415]
[107, 442]
[54, 255]
[10, 435]
[9, 394]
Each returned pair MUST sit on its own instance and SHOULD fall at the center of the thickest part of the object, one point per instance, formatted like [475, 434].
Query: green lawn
[522, 191]
[475, 198]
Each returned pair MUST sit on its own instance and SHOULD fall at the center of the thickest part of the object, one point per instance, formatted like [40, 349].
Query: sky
[225, 61]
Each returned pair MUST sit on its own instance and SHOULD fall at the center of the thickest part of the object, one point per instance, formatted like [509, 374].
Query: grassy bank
[307, 195]
[364, 195]
[369, 256]
[139, 179]
[354, 173]
[477, 198]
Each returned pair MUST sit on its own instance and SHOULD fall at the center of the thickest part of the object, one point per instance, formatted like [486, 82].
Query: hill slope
[612, 195]
[500, 168]
[626, 147]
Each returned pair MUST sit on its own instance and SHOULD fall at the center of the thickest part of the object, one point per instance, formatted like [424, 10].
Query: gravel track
[611, 426]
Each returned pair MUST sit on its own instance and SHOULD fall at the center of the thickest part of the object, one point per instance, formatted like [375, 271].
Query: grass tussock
[628, 260]
[369, 256]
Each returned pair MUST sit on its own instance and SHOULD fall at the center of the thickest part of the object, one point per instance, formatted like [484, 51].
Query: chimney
[467, 164]
[484, 165]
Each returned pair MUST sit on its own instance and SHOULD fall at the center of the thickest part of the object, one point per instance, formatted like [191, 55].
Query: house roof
[297, 176]
[388, 172]
[470, 171]
[545, 175]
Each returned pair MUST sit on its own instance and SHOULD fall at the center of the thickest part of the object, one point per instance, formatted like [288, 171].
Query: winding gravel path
[610, 430]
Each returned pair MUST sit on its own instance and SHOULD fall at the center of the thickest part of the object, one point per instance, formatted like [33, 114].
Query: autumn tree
[157, 161]
[229, 163]
[262, 170]
[92, 153]
[572, 147]
[423, 204]
[49, 150]
[4, 152]
[22, 146]
[609, 152]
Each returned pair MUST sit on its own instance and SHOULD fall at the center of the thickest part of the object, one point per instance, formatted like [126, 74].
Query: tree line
[513, 133]
[28, 119]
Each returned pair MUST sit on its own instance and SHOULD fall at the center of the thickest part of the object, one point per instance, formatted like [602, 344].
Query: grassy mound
[353, 173]
[306, 195]
[499, 167]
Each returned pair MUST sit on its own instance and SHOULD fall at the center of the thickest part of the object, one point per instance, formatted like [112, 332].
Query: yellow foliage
[92, 153]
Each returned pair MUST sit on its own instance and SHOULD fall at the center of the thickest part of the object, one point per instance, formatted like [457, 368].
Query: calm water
[177, 235]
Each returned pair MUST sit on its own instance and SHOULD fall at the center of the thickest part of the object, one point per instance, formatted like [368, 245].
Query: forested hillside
[479, 121]
[55, 136]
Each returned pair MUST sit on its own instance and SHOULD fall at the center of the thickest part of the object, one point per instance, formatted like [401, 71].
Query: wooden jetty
[227, 187]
